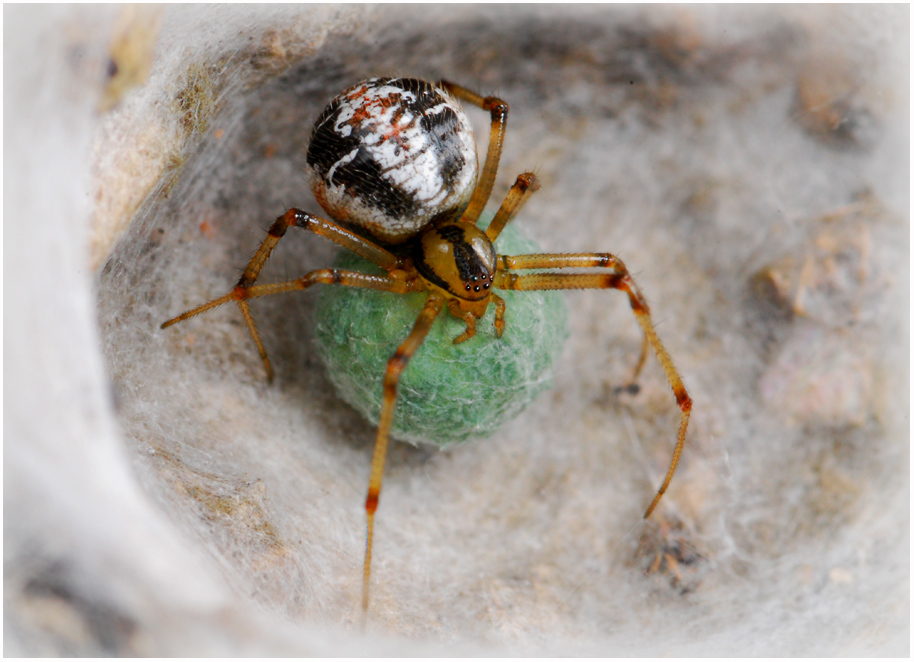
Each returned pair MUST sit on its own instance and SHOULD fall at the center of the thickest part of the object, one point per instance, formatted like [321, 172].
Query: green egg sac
[448, 393]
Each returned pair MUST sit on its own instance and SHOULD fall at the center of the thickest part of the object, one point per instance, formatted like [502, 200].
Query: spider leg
[580, 261]
[633, 384]
[619, 279]
[500, 308]
[330, 277]
[292, 218]
[395, 366]
[325, 276]
[498, 110]
[240, 294]
[525, 185]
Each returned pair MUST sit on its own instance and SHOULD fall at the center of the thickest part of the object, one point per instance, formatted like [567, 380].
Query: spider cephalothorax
[393, 163]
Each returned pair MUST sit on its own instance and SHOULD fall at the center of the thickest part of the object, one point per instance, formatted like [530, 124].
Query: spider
[393, 162]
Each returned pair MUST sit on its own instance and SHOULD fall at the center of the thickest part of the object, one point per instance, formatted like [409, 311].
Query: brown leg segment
[561, 261]
[576, 261]
[500, 308]
[498, 109]
[632, 385]
[327, 276]
[619, 280]
[395, 366]
[241, 294]
[526, 184]
[336, 233]
[293, 218]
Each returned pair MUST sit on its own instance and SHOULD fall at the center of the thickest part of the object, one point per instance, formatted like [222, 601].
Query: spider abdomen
[391, 155]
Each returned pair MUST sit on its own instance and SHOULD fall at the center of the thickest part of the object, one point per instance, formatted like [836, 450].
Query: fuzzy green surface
[448, 393]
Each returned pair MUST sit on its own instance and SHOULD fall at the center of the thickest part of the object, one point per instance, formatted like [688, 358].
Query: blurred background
[749, 164]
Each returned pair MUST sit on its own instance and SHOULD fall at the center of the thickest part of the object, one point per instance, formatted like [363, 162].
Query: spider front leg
[245, 289]
[619, 279]
[498, 111]
[395, 366]
[526, 185]
[573, 261]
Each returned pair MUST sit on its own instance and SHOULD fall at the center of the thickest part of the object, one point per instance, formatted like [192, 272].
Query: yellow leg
[245, 286]
[498, 110]
[525, 185]
[395, 366]
[620, 279]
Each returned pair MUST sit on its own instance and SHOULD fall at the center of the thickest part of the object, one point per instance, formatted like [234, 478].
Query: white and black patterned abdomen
[391, 155]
